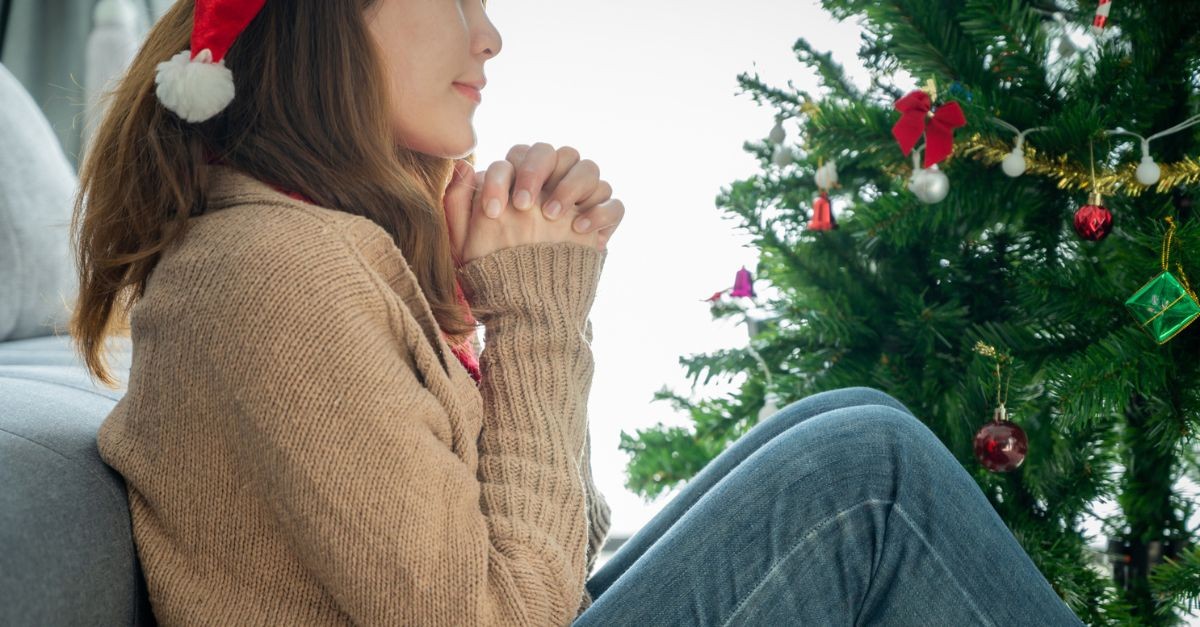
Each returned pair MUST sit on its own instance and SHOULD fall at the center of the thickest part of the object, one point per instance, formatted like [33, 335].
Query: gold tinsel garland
[1071, 175]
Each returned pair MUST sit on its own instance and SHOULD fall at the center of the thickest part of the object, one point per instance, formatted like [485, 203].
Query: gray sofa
[67, 555]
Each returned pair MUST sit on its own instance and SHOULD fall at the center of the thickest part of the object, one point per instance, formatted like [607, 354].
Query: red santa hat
[195, 84]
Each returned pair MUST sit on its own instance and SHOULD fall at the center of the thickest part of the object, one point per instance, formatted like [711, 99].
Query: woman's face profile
[427, 46]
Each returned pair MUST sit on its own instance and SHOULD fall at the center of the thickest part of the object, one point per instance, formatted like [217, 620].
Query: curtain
[45, 47]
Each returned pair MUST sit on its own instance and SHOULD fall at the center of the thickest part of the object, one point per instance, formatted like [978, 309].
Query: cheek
[395, 56]
[407, 108]
[400, 89]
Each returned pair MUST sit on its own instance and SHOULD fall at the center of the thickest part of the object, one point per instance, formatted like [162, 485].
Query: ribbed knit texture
[301, 446]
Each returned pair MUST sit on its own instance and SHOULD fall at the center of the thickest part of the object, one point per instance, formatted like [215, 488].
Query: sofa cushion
[66, 546]
[58, 350]
[37, 188]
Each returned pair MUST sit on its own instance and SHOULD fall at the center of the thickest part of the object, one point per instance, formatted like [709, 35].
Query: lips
[469, 91]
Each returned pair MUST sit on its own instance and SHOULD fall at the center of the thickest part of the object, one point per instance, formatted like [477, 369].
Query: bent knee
[876, 429]
[877, 397]
[858, 395]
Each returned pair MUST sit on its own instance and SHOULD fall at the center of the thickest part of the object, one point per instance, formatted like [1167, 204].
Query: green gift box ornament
[1165, 306]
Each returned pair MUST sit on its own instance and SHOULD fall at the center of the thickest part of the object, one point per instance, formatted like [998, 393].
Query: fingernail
[582, 225]
[522, 200]
[493, 208]
[553, 208]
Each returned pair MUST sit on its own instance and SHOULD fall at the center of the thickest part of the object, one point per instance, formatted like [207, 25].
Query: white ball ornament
[770, 407]
[1148, 171]
[1014, 164]
[783, 156]
[1066, 47]
[930, 185]
[777, 134]
[827, 176]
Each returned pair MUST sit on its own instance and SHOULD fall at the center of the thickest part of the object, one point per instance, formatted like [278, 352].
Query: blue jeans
[840, 509]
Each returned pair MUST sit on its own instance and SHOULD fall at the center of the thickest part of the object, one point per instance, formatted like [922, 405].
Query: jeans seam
[938, 556]
[804, 538]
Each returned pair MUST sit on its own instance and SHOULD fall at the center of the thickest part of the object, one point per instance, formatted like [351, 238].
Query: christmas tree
[1033, 200]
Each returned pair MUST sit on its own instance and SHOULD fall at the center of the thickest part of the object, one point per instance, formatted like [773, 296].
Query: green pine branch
[897, 296]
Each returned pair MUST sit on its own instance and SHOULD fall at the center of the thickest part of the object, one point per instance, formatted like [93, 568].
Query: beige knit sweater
[301, 446]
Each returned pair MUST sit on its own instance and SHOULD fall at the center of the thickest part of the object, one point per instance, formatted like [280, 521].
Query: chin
[455, 149]
[460, 153]
[465, 146]
[445, 151]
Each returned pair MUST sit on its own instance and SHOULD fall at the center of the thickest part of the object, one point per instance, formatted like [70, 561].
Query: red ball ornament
[1000, 445]
[1093, 221]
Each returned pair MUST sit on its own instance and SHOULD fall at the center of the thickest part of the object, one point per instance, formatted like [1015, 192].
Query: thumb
[457, 204]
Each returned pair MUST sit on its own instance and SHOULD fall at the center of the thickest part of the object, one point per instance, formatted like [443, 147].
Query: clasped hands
[556, 197]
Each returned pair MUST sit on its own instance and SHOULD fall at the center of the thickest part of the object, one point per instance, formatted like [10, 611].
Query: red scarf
[465, 352]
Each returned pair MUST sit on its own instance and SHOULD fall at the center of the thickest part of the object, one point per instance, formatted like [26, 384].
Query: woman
[307, 438]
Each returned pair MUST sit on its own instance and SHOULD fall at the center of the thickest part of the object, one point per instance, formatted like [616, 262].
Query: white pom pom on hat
[195, 84]
[195, 89]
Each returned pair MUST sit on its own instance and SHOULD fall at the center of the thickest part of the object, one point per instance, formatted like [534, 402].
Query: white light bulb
[1014, 164]
[1148, 171]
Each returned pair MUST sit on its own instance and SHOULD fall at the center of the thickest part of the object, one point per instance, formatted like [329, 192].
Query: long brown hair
[302, 119]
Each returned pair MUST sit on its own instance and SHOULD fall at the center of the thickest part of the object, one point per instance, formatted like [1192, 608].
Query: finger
[537, 166]
[457, 204]
[496, 185]
[567, 158]
[552, 202]
[605, 234]
[591, 238]
[477, 200]
[602, 193]
[516, 154]
[459, 192]
[606, 215]
[577, 185]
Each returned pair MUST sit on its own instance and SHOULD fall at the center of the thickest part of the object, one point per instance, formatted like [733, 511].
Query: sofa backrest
[67, 555]
[38, 284]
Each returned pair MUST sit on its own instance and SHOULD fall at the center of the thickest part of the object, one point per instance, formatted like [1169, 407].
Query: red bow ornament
[939, 133]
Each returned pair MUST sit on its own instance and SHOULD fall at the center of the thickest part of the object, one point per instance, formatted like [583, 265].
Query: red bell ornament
[822, 218]
[1000, 445]
[1093, 221]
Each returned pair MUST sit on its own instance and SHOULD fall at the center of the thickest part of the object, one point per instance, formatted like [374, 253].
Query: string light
[1148, 172]
[1014, 163]
[1124, 180]
[1121, 181]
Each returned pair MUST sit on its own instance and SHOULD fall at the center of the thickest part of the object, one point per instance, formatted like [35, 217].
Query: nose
[487, 38]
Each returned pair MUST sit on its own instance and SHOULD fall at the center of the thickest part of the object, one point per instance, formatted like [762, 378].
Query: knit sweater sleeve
[537, 366]
[346, 448]
[599, 514]
[599, 521]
